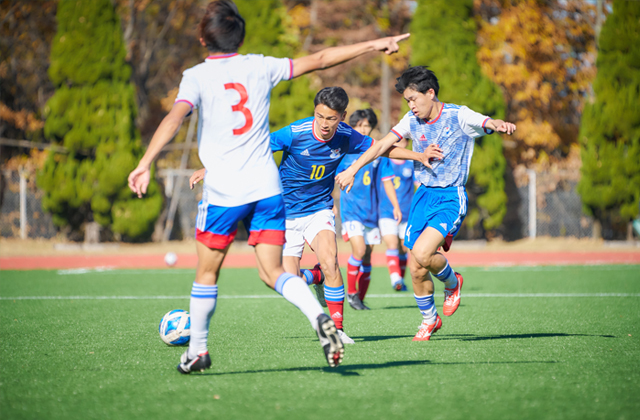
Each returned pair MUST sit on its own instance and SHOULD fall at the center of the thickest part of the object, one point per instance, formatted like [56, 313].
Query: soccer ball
[175, 327]
[171, 259]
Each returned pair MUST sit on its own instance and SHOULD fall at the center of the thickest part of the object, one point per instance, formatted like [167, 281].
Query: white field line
[172, 271]
[385, 296]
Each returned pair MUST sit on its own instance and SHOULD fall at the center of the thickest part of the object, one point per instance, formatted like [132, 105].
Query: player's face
[363, 127]
[421, 104]
[326, 121]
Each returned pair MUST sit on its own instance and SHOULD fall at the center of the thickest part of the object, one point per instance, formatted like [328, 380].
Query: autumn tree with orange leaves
[541, 54]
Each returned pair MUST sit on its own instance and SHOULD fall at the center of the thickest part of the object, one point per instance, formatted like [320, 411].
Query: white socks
[201, 309]
[296, 291]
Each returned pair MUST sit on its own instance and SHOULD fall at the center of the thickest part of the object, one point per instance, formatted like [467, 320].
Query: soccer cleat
[400, 286]
[319, 288]
[198, 364]
[452, 297]
[330, 340]
[425, 331]
[345, 338]
[356, 303]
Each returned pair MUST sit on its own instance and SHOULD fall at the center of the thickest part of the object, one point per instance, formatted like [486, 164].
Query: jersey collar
[436, 118]
[320, 139]
[216, 57]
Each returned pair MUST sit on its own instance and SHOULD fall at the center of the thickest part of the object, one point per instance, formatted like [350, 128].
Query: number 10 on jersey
[317, 171]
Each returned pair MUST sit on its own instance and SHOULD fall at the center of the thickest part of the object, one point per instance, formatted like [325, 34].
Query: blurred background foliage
[535, 63]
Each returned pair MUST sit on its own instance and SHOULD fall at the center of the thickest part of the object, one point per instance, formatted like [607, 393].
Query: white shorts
[390, 227]
[351, 229]
[304, 229]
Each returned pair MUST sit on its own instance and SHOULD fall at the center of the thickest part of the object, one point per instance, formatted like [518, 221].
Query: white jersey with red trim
[454, 131]
[232, 93]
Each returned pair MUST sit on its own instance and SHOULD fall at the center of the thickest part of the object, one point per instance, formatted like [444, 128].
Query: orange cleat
[424, 334]
[452, 298]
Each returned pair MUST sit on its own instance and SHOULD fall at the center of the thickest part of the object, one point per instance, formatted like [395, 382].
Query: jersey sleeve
[278, 69]
[385, 171]
[473, 123]
[281, 139]
[359, 143]
[403, 128]
[189, 91]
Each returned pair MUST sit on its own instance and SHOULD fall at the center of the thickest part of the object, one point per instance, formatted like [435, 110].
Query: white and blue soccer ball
[175, 327]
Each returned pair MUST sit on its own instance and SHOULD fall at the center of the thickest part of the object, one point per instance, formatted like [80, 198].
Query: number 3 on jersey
[239, 107]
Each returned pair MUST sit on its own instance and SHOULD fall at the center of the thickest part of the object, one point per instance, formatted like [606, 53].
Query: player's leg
[321, 235]
[448, 215]
[364, 276]
[404, 251]
[389, 232]
[423, 285]
[353, 232]
[371, 238]
[215, 230]
[267, 235]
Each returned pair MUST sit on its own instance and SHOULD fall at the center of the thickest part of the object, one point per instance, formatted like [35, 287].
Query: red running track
[378, 259]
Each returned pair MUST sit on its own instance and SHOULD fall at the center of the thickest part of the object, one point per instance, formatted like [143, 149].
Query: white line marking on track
[393, 296]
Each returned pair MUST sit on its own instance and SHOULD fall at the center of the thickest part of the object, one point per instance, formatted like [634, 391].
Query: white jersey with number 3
[232, 93]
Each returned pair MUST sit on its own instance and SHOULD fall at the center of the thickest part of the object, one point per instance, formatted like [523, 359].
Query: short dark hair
[333, 97]
[418, 78]
[363, 114]
[222, 27]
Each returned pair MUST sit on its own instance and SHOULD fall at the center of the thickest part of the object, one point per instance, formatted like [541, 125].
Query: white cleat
[345, 338]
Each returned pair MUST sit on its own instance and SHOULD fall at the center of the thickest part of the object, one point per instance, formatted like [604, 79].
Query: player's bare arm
[335, 55]
[501, 126]
[139, 178]
[390, 190]
[382, 148]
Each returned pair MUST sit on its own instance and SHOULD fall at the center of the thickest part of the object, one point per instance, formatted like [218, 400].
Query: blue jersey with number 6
[361, 203]
[309, 164]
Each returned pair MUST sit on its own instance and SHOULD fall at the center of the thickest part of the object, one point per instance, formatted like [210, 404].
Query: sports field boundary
[474, 259]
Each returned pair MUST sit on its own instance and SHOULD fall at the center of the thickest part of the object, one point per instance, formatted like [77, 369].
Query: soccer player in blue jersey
[440, 203]
[359, 214]
[392, 230]
[231, 93]
[313, 149]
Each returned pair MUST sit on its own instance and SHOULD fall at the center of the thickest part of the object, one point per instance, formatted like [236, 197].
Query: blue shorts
[443, 209]
[216, 226]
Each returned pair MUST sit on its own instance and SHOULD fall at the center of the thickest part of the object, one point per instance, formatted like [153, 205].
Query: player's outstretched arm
[385, 147]
[501, 126]
[330, 57]
[139, 178]
[393, 197]
[345, 178]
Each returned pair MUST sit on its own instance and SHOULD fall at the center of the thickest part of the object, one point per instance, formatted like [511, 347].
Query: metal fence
[557, 211]
[21, 214]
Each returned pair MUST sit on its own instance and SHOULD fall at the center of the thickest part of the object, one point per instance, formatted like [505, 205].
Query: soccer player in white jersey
[231, 93]
[440, 203]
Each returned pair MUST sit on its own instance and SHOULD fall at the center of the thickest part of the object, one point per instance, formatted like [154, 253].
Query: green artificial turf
[531, 356]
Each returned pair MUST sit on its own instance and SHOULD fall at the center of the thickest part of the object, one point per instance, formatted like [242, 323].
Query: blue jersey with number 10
[309, 164]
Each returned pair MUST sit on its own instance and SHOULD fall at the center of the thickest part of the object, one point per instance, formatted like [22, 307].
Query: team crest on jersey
[335, 153]
[406, 172]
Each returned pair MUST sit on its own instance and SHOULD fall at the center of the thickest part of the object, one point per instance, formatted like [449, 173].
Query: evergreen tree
[266, 34]
[92, 115]
[443, 37]
[610, 129]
